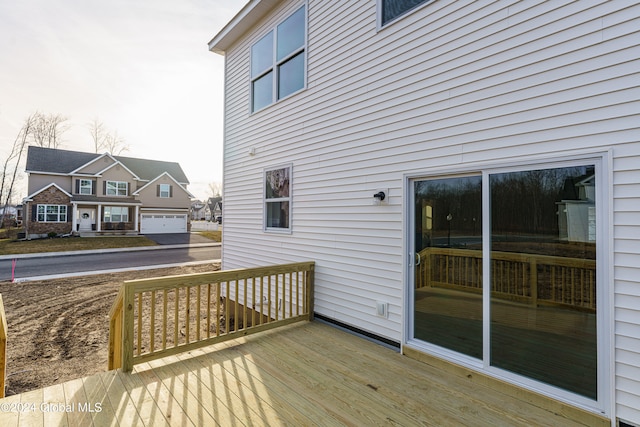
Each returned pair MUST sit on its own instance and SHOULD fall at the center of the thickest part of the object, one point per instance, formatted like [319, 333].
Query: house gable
[95, 166]
[164, 191]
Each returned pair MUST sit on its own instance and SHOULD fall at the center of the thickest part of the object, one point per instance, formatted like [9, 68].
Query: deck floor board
[302, 374]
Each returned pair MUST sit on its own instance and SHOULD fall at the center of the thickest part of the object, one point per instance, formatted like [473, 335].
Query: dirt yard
[59, 329]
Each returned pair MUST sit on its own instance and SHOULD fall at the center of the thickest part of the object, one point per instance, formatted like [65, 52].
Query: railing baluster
[208, 310]
[245, 320]
[152, 323]
[139, 331]
[176, 317]
[165, 294]
[218, 302]
[187, 314]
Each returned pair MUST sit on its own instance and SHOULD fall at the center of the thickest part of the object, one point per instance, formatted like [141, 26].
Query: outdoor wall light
[379, 195]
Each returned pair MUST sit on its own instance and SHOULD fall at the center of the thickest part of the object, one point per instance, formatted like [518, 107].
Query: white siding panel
[452, 84]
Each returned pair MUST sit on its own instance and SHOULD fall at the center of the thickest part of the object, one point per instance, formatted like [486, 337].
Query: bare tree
[103, 140]
[115, 144]
[12, 162]
[98, 134]
[47, 129]
[215, 188]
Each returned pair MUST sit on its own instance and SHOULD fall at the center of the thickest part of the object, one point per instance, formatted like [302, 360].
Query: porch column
[99, 218]
[135, 220]
[74, 217]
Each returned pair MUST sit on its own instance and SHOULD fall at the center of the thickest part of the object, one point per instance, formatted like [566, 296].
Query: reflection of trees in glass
[525, 202]
[277, 183]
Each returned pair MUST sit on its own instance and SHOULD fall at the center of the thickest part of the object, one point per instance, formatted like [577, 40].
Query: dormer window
[116, 188]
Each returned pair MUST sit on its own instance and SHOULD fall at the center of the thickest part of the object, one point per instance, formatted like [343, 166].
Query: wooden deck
[299, 375]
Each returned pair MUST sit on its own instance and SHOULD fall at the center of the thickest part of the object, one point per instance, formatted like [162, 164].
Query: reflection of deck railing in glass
[558, 280]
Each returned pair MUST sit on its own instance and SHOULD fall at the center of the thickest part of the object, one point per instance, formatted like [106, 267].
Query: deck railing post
[3, 348]
[309, 282]
[127, 328]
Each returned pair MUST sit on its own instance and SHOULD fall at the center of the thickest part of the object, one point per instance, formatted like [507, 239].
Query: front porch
[307, 373]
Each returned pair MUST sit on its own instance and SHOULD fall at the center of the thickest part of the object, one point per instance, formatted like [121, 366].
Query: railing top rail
[194, 279]
[116, 303]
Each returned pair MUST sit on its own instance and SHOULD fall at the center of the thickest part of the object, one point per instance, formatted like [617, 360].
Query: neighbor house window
[164, 191]
[278, 62]
[277, 199]
[116, 214]
[116, 188]
[391, 9]
[85, 186]
[52, 213]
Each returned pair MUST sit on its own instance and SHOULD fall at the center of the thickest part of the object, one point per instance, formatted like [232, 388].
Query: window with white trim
[277, 199]
[116, 214]
[164, 191]
[86, 186]
[391, 9]
[116, 188]
[278, 62]
[52, 213]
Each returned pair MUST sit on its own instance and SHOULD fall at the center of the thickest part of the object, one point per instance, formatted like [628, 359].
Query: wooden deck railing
[528, 278]
[158, 317]
[3, 348]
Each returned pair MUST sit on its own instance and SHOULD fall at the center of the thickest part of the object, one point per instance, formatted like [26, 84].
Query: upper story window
[116, 188]
[278, 62]
[391, 9]
[85, 186]
[164, 191]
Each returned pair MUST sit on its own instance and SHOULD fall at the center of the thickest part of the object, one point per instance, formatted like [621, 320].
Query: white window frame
[604, 274]
[117, 188]
[119, 210]
[267, 201]
[275, 63]
[42, 213]
[82, 187]
[165, 191]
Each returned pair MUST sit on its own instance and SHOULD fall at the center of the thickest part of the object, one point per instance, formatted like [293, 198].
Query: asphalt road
[83, 263]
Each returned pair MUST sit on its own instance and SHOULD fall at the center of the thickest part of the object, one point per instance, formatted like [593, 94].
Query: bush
[52, 234]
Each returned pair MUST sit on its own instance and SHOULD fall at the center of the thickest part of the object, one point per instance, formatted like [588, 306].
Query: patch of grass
[61, 244]
[216, 236]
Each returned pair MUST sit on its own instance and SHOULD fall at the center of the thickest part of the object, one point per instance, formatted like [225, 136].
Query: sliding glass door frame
[604, 275]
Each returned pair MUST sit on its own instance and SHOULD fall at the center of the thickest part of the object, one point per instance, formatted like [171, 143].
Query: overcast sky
[142, 67]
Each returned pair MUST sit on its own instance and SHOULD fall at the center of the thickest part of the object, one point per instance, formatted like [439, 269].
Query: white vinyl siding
[451, 85]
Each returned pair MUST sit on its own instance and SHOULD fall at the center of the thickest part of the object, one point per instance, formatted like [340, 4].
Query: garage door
[159, 223]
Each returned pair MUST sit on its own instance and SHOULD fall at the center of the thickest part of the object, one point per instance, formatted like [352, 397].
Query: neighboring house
[71, 191]
[214, 208]
[198, 209]
[417, 152]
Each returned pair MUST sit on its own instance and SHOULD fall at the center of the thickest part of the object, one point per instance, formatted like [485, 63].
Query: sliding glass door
[522, 299]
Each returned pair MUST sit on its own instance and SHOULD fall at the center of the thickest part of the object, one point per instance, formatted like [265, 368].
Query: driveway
[178, 238]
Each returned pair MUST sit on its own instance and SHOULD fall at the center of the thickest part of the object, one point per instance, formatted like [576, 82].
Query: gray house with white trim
[430, 157]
